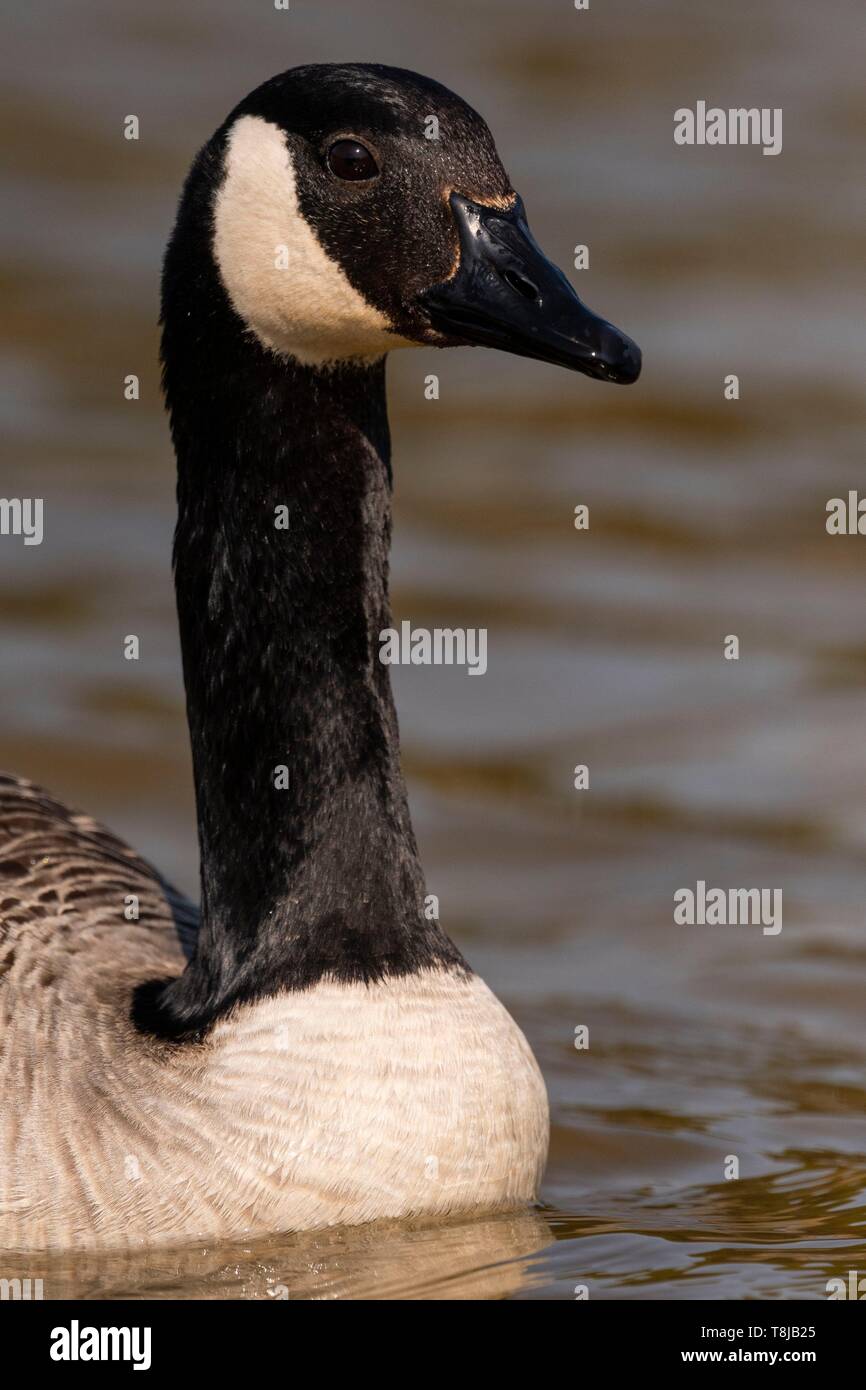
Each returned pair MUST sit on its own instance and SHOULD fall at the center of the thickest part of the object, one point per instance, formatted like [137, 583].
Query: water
[707, 518]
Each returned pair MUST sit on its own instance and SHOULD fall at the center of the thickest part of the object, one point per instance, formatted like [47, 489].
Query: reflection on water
[483, 1259]
[604, 646]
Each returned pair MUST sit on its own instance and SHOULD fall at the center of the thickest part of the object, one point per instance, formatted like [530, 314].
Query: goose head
[356, 208]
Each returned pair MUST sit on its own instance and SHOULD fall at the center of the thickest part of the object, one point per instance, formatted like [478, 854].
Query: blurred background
[605, 646]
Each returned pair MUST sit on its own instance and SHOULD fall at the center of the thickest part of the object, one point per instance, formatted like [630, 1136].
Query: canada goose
[324, 1055]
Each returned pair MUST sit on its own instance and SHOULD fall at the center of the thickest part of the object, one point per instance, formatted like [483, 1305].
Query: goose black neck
[308, 860]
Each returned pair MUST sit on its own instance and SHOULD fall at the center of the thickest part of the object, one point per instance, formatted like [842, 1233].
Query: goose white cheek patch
[279, 278]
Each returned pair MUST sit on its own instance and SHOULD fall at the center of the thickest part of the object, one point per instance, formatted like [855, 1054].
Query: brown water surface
[707, 518]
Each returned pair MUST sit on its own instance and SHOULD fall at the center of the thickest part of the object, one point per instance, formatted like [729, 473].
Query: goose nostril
[520, 284]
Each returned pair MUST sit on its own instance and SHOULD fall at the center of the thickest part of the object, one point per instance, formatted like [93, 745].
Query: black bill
[506, 294]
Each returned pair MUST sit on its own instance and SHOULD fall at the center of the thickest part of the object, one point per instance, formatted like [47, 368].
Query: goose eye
[350, 160]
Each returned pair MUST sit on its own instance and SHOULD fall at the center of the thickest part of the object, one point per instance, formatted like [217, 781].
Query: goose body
[336, 1104]
[312, 1050]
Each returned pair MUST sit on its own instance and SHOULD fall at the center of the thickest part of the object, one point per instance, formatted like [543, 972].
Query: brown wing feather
[56, 861]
